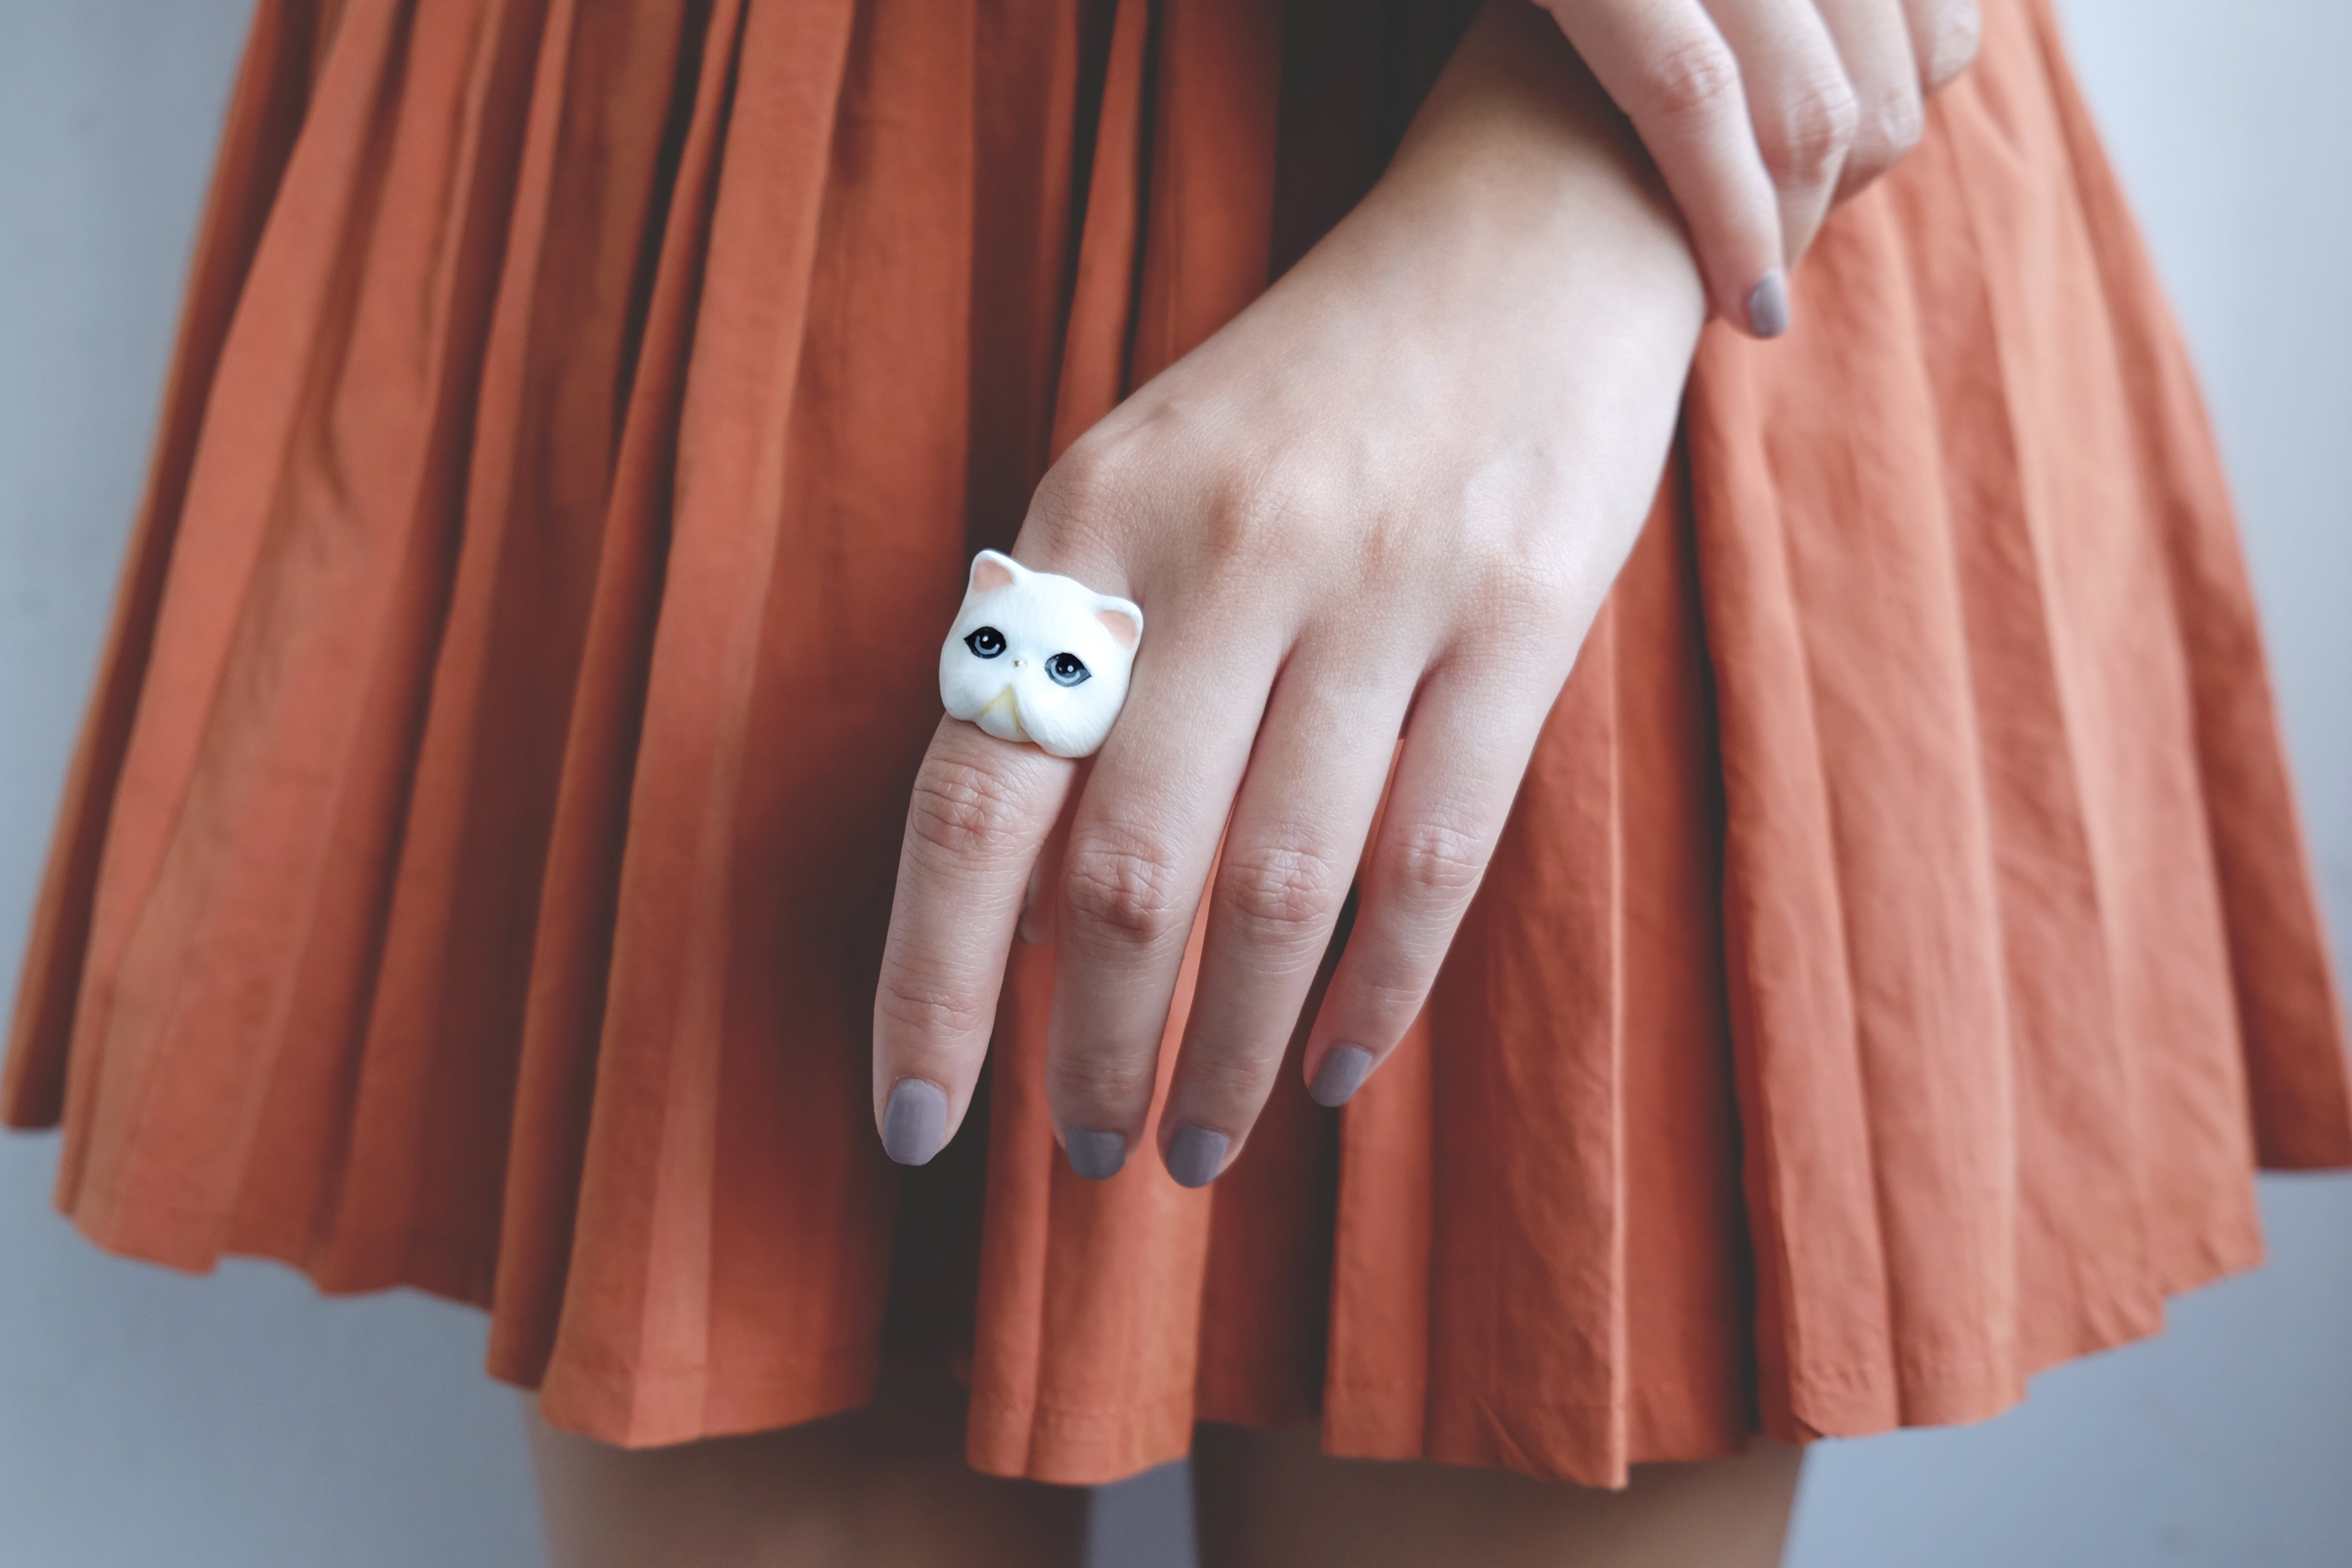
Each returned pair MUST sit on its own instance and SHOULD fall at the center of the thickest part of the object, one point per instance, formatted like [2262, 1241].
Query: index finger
[979, 814]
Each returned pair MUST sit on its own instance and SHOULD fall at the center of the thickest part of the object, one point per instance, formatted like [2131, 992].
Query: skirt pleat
[1901, 954]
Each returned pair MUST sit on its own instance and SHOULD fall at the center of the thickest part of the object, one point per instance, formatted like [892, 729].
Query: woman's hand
[1764, 114]
[1386, 499]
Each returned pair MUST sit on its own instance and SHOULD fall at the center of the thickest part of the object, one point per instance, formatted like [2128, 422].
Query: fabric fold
[579, 887]
[267, 111]
[474, 869]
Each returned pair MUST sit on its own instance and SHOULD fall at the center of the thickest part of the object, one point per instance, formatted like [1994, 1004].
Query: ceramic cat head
[1039, 657]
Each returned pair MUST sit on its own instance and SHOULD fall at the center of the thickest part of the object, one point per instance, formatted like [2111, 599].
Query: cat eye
[1067, 669]
[988, 642]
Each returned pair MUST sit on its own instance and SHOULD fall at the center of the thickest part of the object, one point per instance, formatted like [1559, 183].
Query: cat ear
[992, 570]
[1121, 619]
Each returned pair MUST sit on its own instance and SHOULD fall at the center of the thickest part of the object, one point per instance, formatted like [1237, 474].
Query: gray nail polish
[1343, 1072]
[915, 1121]
[1195, 1155]
[1094, 1155]
[1768, 305]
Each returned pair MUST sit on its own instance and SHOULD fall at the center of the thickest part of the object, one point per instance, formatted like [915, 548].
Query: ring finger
[1298, 831]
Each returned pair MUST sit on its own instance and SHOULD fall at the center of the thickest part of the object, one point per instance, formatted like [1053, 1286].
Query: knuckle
[1892, 123]
[961, 812]
[1283, 889]
[1085, 496]
[929, 1011]
[1235, 1083]
[1251, 522]
[1122, 892]
[1530, 588]
[1529, 613]
[1688, 77]
[1436, 862]
[1088, 474]
[1905, 122]
[1098, 1082]
[1955, 33]
[1808, 140]
[1394, 986]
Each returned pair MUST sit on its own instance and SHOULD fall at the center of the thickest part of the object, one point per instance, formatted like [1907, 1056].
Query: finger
[1290, 854]
[981, 810]
[1668, 67]
[1874, 40]
[1463, 751]
[1036, 927]
[1800, 107]
[1140, 847]
[1944, 38]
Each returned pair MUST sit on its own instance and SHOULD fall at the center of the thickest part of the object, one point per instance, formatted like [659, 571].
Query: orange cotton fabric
[473, 868]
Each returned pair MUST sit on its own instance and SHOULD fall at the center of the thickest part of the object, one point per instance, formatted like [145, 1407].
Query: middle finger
[1140, 847]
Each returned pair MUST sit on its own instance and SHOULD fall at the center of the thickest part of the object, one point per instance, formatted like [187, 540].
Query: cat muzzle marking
[1037, 658]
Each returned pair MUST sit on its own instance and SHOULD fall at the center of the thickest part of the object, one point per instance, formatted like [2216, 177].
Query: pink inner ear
[989, 576]
[1121, 625]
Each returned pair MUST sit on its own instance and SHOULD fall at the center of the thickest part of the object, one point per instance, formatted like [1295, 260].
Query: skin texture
[1763, 114]
[1368, 522]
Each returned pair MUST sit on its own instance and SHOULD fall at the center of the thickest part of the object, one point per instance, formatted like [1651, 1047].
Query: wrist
[1518, 185]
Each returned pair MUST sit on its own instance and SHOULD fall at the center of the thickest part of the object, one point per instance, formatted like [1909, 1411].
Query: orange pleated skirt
[474, 869]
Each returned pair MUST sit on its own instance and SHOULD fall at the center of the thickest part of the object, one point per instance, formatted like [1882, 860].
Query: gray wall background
[244, 1423]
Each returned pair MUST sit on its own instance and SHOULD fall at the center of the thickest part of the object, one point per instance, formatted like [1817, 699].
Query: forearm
[1520, 198]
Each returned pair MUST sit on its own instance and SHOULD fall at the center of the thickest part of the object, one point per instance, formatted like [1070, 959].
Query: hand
[1764, 114]
[1386, 499]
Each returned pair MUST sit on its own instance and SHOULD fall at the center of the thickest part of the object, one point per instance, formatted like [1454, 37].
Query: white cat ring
[1037, 658]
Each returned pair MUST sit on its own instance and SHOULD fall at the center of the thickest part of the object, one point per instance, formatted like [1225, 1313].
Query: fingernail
[915, 1121]
[1343, 1072]
[1094, 1155]
[1768, 305]
[1195, 1155]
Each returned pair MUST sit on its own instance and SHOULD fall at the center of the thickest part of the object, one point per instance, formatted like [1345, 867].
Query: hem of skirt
[1058, 1444]
[1964, 1389]
[1072, 1445]
[1402, 1420]
[434, 1263]
[660, 1407]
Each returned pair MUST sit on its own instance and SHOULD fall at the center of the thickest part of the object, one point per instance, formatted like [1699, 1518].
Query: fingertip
[1768, 308]
[1195, 1155]
[1094, 1153]
[915, 1121]
[1341, 1072]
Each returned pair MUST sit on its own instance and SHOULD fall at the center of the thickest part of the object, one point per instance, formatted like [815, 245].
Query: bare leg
[1273, 1500]
[886, 1486]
